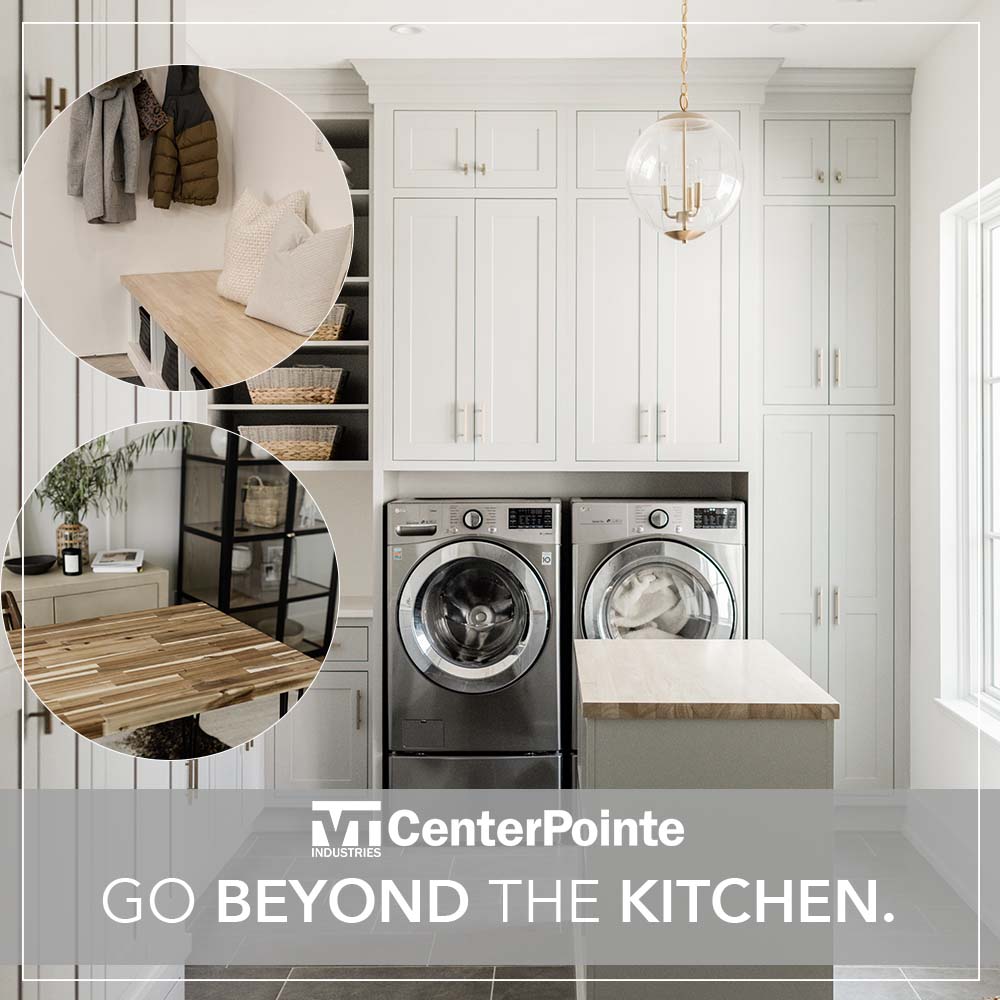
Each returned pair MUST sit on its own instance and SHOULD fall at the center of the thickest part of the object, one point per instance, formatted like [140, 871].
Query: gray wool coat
[103, 160]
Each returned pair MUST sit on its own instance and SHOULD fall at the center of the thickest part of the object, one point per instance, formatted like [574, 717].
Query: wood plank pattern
[216, 334]
[695, 679]
[101, 675]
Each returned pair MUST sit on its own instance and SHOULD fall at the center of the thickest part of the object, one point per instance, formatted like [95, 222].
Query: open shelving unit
[349, 134]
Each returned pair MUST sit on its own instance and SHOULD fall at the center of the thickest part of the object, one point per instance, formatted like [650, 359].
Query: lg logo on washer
[346, 833]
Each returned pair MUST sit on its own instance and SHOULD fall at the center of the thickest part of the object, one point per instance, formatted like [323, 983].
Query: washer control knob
[472, 519]
[659, 518]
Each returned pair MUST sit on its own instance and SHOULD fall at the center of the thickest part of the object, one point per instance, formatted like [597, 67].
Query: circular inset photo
[170, 591]
[183, 227]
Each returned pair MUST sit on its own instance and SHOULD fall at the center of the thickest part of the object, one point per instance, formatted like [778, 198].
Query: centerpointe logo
[345, 834]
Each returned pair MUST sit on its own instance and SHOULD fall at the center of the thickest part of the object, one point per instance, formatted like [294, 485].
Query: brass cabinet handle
[839, 176]
[46, 97]
[465, 169]
[357, 709]
[821, 175]
[482, 169]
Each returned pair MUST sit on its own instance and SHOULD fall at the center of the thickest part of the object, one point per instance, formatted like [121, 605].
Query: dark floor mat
[169, 741]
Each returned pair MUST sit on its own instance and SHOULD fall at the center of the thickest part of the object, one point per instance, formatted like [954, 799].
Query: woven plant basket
[295, 442]
[73, 536]
[265, 503]
[336, 324]
[304, 384]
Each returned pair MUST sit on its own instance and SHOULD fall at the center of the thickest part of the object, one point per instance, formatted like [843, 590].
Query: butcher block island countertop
[695, 679]
[101, 675]
[218, 337]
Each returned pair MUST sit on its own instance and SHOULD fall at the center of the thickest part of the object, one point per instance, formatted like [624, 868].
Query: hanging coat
[103, 159]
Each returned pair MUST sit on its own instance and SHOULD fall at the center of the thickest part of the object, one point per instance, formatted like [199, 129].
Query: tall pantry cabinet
[830, 404]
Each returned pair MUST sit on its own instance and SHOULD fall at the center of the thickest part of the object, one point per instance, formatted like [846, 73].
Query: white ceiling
[895, 33]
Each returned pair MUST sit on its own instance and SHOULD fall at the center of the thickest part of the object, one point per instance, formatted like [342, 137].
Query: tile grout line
[281, 989]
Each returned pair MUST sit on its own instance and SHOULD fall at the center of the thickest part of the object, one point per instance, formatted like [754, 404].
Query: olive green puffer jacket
[184, 166]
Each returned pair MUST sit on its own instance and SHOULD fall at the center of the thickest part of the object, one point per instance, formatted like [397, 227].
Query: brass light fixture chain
[684, 55]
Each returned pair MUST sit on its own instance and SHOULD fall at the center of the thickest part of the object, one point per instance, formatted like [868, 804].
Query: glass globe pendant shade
[684, 175]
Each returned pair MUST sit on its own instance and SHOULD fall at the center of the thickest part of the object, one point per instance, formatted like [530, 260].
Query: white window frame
[968, 648]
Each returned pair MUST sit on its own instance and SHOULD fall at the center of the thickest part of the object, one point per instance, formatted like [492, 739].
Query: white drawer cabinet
[474, 149]
[323, 741]
[828, 574]
[350, 645]
[474, 355]
[829, 304]
[819, 157]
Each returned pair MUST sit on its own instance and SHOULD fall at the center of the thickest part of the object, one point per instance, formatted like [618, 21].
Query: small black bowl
[32, 565]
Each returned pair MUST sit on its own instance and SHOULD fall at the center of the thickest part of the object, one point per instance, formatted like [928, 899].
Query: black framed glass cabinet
[253, 543]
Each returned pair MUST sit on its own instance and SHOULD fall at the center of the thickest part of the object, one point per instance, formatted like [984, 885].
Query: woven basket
[295, 442]
[336, 324]
[304, 384]
[265, 503]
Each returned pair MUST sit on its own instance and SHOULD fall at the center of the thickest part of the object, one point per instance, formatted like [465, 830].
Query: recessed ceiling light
[788, 27]
[406, 29]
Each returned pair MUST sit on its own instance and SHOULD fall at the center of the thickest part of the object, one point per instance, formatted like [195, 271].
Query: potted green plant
[94, 478]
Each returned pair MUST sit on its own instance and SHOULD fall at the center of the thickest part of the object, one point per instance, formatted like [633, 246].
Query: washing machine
[473, 644]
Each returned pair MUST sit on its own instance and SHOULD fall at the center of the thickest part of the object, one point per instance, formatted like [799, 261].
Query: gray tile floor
[534, 983]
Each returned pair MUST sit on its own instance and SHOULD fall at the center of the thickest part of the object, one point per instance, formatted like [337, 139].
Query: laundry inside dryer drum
[473, 611]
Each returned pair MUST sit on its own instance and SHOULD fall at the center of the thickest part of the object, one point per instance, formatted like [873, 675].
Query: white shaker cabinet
[615, 333]
[829, 304]
[796, 157]
[474, 330]
[862, 158]
[474, 149]
[603, 141]
[862, 304]
[828, 574]
[433, 316]
[323, 741]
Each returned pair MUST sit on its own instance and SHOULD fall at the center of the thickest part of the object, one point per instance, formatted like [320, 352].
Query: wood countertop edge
[723, 712]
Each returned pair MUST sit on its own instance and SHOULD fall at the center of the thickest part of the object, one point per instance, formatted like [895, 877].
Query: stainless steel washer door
[659, 589]
[473, 616]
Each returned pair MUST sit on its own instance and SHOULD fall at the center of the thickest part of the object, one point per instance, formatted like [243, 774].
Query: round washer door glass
[659, 590]
[473, 616]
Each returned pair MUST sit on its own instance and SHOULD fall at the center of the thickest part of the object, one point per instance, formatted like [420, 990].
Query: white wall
[944, 132]
[71, 268]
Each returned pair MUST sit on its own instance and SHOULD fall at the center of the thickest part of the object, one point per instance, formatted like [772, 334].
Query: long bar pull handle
[819, 606]
[48, 105]
[45, 715]
[461, 421]
[836, 605]
[479, 423]
[643, 423]
[661, 425]
[357, 709]
[819, 366]
[836, 366]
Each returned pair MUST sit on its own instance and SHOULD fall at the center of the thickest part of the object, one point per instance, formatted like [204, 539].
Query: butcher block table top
[695, 679]
[218, 337]
[123, 671]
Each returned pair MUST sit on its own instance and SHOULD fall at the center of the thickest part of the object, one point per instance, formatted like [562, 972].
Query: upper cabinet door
[796, 302]
[434, 149]
[862, 304]
[861, 596]
[615, 333]
[433, 316]
[862, 158]
[796, 542]
[603, 141]
[515, 411]
[515, 149]
[699, 336]
[796, 157]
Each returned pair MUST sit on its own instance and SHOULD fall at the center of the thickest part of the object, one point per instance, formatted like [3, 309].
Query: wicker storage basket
[265, 503]
[336, 324]
[303, 384]
[295, 442]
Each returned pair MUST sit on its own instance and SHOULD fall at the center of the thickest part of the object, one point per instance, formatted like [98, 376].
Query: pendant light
[684, 173]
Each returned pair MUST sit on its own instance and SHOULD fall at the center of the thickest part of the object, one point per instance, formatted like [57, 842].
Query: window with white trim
[989, 680]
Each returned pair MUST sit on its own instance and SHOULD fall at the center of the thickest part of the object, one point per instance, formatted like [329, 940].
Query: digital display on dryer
[529, 517]
[715, 517]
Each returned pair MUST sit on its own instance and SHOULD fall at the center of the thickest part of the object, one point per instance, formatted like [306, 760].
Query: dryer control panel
[618, 520]
[514, 520]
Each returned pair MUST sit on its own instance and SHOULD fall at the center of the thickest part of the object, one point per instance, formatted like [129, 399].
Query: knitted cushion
[248, 235]
[301, 276]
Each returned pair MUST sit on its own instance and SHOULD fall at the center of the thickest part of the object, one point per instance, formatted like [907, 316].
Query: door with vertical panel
[615, 333]
[433, 328]
[862, 304]
[515, 149]
[515, 398]
[796, 545]
[434, 149]
[861, 589]
[698, 394]
[862, 158]
[603, 141]
[796, 157]
[796, 304]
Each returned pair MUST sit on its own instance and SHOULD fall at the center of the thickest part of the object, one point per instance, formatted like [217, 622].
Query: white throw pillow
[248, 236]
[301, 276]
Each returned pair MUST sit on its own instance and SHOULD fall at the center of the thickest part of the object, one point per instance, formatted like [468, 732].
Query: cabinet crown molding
[647, 82]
